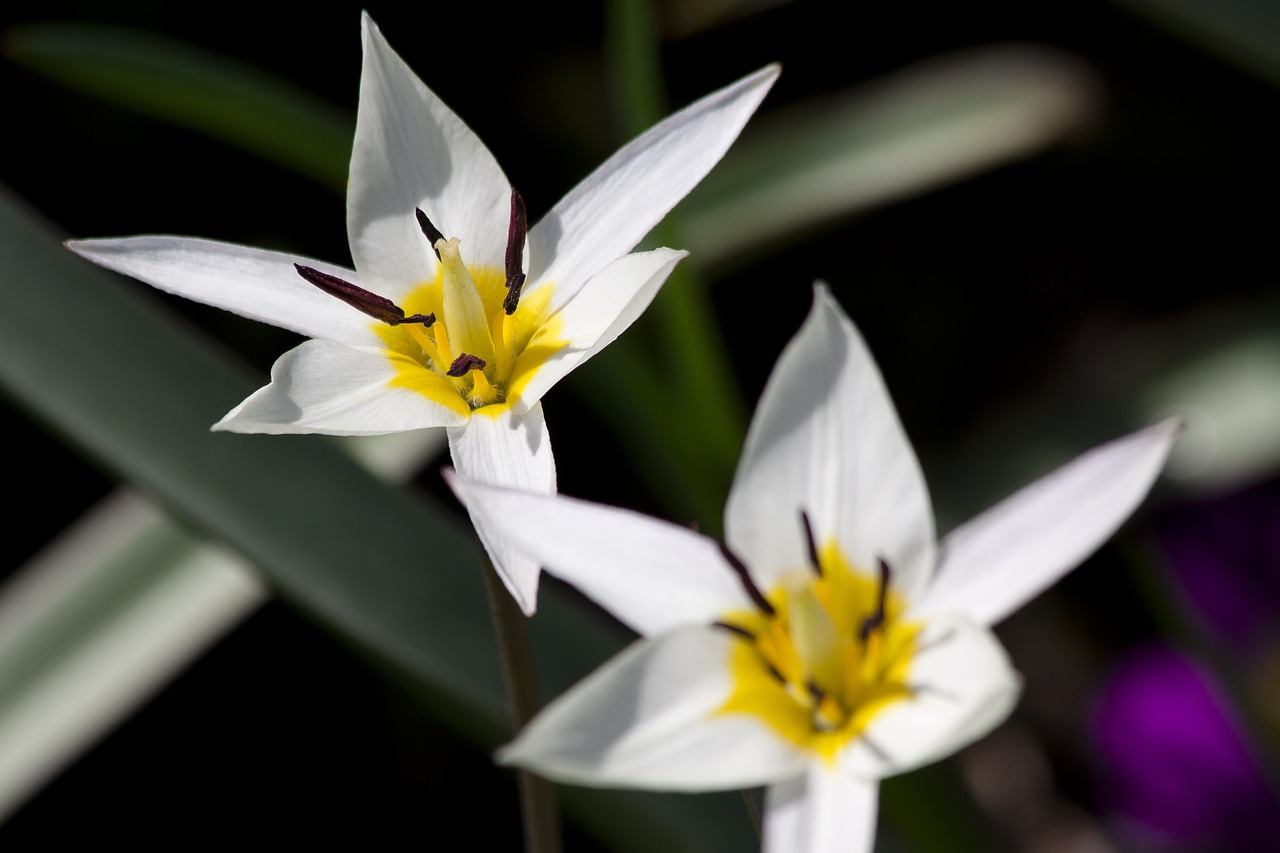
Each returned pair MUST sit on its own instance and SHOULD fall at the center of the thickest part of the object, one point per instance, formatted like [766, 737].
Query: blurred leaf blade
[138, 394]
[1244, 32]
[95, 623]
[180, 84]
[686, 367]
[112, 610]
[387, 570]
[915, 131]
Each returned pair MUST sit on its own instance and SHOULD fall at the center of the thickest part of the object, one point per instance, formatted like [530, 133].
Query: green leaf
[174, 82]
[1243, 32]
[919, 129]
[93, 626]
[136, 390]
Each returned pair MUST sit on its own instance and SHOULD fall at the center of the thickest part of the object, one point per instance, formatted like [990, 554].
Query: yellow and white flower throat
[810, 670]
[471, 319]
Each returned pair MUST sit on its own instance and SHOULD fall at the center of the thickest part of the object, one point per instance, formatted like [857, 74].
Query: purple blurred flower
[1224, 554]
[1177, 770]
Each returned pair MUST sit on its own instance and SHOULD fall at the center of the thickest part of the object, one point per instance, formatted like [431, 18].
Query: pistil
[474, 337]
[816, 640]
[463, 309]
[832, 640]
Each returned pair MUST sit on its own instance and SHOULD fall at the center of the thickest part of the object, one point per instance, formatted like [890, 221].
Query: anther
[876, 619]
[753, 591]
[377, 307]
[810, 542]
[429, 230]
[464, 364]
[516, 232]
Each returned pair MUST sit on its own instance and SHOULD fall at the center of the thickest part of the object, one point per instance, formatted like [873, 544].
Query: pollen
[834, 652]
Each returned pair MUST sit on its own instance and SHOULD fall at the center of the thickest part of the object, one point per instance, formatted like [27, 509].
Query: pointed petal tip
[508, 754]
[230, 423]
[530, 605]
[1164, 434]
[822, 294]
[670, 255]
[459, 484]
[81, 248]
[761, 79]
[523, 590]
[86, 248]
[371, 34]
[1173, 426]
[764, 76]
[770, 72]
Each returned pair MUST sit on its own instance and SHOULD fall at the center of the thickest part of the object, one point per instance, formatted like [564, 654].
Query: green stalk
[539, 815]
[692, 359]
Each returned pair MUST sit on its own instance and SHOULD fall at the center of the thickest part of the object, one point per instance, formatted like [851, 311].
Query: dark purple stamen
[516, 232]
[430, 231]
[464, 364]
[810, 542]
[753, 591]
[734, 629]
[876, 619]
[377, 307]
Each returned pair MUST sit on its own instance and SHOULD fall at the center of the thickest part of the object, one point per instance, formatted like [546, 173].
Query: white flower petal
[648, 719]
[412, 151]
[603, 309]
[821, 812]
[505, 449]
[825, 439]
[606, 215]
[964, 686]
[651, 575]
[325, 387]
[253, 283]
[999, 560]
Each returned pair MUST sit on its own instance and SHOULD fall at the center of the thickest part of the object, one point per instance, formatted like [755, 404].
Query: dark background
[971, 296]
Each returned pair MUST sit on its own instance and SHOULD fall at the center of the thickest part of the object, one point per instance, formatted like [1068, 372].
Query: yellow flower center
[505, 350]
[834, 652]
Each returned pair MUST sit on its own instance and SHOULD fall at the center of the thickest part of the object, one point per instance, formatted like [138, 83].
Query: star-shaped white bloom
[829, 643]
[451, 318]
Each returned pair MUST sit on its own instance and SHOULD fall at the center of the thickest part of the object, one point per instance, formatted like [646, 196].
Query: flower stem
[540, 817]
[754, 811]
[692, 360]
